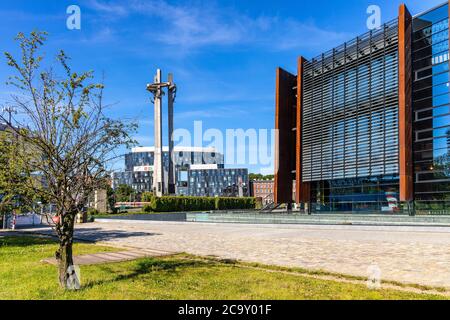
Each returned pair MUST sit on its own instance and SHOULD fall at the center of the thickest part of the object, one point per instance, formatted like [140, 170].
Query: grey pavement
[419, 255]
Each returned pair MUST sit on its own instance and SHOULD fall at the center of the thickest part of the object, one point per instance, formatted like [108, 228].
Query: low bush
[92, 212]
[176, 204]
[147, 197]
[235, 203]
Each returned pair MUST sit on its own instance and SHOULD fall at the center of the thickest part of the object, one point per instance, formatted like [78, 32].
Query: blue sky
[223, 53]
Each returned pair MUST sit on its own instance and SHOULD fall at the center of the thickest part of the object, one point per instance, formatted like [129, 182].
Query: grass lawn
[23, 276]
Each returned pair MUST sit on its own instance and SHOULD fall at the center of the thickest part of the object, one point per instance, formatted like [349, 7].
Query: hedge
[176, 204]
[147, 197]
[235, 203]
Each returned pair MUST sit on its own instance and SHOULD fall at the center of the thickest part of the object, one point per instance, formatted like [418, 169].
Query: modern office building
[212, 182]
[139, 165]
[366, 126]
[198, 172]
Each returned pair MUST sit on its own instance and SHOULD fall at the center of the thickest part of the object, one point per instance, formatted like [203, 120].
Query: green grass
[23, 276]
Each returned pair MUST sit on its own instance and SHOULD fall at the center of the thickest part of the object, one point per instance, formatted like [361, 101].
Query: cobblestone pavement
[418, 255]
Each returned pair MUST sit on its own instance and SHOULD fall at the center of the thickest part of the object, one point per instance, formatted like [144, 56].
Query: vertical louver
[350, 109]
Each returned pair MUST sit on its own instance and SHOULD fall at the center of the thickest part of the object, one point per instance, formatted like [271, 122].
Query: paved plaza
[418, 255]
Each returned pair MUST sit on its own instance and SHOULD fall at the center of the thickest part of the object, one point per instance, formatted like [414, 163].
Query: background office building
[213, 182]
[198, 172]
[139, 165]
[366, 126]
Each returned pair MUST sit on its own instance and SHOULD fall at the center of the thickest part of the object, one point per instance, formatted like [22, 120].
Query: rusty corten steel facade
[285, 117]
[302, 193]
[405, 104]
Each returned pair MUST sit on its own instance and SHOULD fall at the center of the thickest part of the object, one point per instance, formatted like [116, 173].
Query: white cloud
[192, 26]
[109, 8]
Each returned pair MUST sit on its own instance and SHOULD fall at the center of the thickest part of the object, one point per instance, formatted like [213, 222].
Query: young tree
[124, 193]
[62, 117]
[111, 199]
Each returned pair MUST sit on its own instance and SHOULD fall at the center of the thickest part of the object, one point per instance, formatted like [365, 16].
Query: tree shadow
[11, 240]
[48, 236]
[147, 266]
[98, 234]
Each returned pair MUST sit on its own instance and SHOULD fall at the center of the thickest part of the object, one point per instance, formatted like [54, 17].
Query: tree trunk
[64, 253]
[65, 260]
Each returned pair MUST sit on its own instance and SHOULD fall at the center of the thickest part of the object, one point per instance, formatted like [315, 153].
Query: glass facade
[431, 106]
[193, 182]
[350, 109]
[182, 159]
[139, 167]
[218, 182]
[364, 195]
[350, 143]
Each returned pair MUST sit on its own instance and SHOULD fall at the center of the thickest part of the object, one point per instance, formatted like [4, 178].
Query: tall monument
[157, 89]
[170, 101]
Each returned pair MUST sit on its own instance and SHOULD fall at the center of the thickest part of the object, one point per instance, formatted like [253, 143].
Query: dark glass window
[430, 103]
[369, 194]
[427, 19]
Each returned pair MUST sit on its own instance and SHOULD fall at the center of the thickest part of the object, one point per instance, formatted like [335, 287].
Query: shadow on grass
[83, 234]
[148, 266]
[19, 240]
[98, 234]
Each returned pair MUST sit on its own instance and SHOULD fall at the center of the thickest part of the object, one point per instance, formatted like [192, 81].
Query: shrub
[147, 197]
[235, 203]
[92, 212]
[183, 203]
[258, 203]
